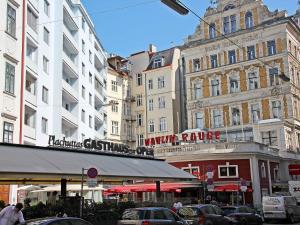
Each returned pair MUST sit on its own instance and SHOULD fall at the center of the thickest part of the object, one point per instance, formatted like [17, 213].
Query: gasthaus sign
[101, 146]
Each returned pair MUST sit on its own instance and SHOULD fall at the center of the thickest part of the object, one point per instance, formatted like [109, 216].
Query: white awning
[71, 187]
[29, 163]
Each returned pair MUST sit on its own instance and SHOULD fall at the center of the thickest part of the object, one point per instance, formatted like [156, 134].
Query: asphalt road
[280, 223]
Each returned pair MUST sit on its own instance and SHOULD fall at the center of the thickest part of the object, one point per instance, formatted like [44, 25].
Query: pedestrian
[12, 214]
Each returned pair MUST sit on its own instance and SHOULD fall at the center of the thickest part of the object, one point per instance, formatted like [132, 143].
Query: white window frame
[162, 124]
[240, 115]
[162, 102]
[161, 82]
[201, 118]
[279, 112]
[197, 90]
[114, 86]
[150, 104]
[45, 64]
[258, 115]
[115, 127]
[218, 91]
[139, 100]
[150, 84]
[139, 79]
[228, 166]
[196, 65]
[151, 126]
[220, 118]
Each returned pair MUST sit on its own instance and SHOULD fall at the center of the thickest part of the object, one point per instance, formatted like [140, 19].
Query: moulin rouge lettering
[184, 137]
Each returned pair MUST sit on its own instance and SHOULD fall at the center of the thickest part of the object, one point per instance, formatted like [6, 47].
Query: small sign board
[210, 187]
[244, 188]
[92, 174]
[243, 185]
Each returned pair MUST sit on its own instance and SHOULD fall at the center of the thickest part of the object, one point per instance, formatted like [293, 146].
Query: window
[271, 47]
[90, 78]
[276, 109]
[253, 81]
[83, 92]
[139, 101]
[151, 126]
[217, 118]
[226, 25]
[234, 85]
[45, 65]
[231, 57]
[228, 171]
[114, 86]
[161, 102]
[159, 62]
[255, 113]
[249, 20]
[233, 23]
[115, 127]
[273, 75]
[90, 122]
[11, 21]
[199, 120]
[45, 94]
[32, 19]
[236, 118]
[161, 82]
[46, 7]
[215, 88]
[90, 57]
[44, 125]
[139, 79]
[10, 78]
[263, 171]
[8, 132]
[198, 90]
[114, 108]
[83, 115]
[83, 46]
[83, 69]
[214, 61]
[212, 31]
[83, 24]
[150, 104]
[196, 65]
[46, 35]
[269, 138]
[140, 138]
[139, 119]
[150, 84]
[90, 35]
[162, 124]
[90, 99]
[251, 52]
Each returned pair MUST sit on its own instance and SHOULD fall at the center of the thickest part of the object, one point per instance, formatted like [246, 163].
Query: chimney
[152, 48]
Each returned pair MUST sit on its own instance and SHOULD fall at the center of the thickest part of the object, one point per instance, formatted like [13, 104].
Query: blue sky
[128, 26]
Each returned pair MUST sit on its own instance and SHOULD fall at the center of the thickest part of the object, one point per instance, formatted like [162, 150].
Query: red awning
[150, 187]
[230, 188]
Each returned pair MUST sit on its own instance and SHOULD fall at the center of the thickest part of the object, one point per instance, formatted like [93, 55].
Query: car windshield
[133, 214]
[229, 210]
[188, 212]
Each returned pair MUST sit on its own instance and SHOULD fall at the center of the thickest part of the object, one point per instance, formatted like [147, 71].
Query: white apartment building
[65, 69]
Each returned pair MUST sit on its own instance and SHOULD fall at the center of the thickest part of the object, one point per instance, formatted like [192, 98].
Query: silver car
[150, 216]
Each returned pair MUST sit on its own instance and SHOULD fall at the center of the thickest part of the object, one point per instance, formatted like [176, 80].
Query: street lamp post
[81, 192]
[177, 6]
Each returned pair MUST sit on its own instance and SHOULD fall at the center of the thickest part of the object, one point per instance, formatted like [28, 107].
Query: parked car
[243, 214]
[150, 216]
[281, 207]
[58, 221]
[205, 215]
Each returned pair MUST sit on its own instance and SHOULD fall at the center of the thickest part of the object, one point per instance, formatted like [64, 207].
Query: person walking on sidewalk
[12, 214]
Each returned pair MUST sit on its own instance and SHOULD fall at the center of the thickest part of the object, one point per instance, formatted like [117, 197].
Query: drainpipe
[22, 72]
[270, 179]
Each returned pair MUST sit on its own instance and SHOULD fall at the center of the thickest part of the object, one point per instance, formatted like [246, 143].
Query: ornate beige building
[242, 68]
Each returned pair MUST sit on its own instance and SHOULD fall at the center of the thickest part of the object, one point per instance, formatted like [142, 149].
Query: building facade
[65, 74]
[118, 87]
[156, 89]
[10, 81]
[242, 74]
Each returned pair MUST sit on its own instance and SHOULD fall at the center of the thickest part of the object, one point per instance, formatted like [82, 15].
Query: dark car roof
[149, 208]
[197, 206]
[48, 220]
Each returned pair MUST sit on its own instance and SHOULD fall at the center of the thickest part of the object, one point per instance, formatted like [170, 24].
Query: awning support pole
[157, 191]
[63, 188]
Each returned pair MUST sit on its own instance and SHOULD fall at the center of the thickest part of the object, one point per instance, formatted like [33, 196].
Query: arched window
[212, 31]
[249, 20]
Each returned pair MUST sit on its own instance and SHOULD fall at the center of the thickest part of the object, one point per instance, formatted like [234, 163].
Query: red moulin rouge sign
[184, 137]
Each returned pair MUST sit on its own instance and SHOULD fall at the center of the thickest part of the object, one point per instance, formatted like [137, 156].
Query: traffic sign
[243, 185]
[210, 181]
[92, 174]
[210, 168]
[244, 188]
